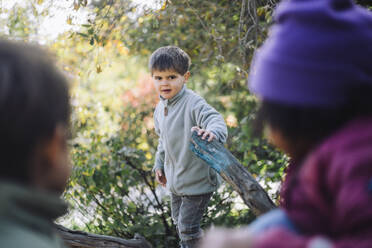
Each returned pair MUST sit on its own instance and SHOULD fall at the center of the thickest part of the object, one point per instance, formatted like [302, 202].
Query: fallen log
[229, 168]
[79, 239]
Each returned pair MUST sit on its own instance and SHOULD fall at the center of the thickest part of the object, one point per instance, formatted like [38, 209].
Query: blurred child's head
[296, 129]
[314, 72]
[169, 68]
[34, 118]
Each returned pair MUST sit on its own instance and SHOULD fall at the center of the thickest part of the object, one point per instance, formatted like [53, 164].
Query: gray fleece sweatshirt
[186, 174]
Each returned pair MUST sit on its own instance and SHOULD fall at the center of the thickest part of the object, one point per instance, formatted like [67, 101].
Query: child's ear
[187, 75]
[50, 168]
[56, 144]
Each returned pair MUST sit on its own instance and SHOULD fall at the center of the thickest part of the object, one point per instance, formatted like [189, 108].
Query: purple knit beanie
[316, 51]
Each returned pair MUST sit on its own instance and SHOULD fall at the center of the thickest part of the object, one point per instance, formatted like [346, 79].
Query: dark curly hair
[170, 58]
[313, 124]
[34, 99]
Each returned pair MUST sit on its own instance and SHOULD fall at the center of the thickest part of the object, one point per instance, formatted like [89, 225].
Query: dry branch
[229, 168]
[79, 239]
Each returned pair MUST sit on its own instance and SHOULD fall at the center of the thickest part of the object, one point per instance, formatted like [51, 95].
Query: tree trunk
[222, 161]
[79, 239]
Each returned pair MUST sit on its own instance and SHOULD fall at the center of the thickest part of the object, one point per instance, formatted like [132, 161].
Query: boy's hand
[204, 132]
[227, 238]
[160, 178]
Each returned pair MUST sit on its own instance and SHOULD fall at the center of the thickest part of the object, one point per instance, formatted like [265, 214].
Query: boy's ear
[50, 169]
[187, 75]
[55, 144]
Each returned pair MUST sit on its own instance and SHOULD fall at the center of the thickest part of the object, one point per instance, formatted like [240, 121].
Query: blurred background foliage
[103, 47]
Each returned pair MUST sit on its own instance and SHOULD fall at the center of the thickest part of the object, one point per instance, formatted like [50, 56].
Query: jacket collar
[30, 207]
[176, 98]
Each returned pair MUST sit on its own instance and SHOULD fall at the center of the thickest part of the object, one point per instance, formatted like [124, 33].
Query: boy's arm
[206, 117]
[159, 157]
[160, 153]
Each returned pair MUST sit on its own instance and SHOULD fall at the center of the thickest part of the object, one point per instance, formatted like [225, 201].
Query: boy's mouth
[166, 91]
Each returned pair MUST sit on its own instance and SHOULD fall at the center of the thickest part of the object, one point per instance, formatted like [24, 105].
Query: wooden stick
[79, 239]
[229, 168]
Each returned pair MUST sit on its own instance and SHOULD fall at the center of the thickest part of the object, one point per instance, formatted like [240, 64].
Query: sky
[55, 22]
[62, 10]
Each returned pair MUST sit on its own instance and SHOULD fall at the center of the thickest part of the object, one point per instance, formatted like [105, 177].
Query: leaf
[96, 37]
[164, 5]
[76, 6]
[71, 35]
[40, 2]
[69, 20]
[82, 34]
[261, 11]
[98, 68]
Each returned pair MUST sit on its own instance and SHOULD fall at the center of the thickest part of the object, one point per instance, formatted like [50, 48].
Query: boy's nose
[164, 82]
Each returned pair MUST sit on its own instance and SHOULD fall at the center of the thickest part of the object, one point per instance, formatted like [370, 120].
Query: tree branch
[79, 239]
[216, 39]
[225, 164]
[167, 228]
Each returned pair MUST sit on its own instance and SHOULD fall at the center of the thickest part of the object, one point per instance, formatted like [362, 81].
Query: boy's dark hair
[170, 58]
[34, 99]
[313, 124]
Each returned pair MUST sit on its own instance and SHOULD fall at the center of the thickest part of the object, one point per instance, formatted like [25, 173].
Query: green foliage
[18, 22]
[365, 3]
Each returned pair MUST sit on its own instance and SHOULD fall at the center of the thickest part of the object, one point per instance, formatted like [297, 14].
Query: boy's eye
[157, 78]
[172, 77]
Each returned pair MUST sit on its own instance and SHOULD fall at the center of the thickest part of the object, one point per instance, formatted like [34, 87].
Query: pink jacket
[329, 197]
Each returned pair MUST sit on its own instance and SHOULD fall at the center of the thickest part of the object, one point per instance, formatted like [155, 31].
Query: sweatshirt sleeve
[283, 238]
[274, 238]
[208, 118]
[160, 154]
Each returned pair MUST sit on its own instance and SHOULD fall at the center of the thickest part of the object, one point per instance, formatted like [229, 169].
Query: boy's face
[169, 82]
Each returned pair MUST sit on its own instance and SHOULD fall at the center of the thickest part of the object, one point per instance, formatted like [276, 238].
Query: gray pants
[187, 212]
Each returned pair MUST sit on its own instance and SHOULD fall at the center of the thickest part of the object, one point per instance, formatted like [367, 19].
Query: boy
[180, 111]
[34, 118]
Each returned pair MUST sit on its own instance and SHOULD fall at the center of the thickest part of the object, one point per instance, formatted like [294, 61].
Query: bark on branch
[79, 239]
[222, 161]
